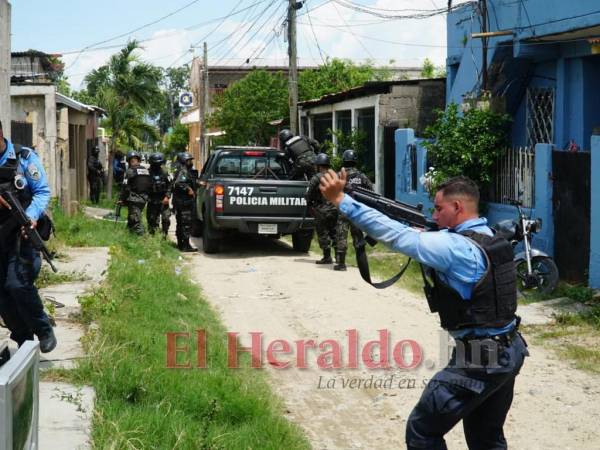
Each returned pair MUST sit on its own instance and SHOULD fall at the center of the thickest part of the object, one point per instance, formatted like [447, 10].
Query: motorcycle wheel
[545, 276]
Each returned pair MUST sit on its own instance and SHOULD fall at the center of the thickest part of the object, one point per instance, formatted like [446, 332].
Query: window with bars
[540, 116]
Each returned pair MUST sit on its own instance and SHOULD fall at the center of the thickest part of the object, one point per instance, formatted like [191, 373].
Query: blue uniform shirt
[35, 176]
[458, 261]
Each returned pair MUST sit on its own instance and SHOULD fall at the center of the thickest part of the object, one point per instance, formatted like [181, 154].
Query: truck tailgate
[264, 198]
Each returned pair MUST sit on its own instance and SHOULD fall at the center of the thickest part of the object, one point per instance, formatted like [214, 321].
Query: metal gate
[571, 201]
[21, 133]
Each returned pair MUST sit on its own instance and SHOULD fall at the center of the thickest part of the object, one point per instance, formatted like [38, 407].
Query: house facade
[542, 68]
[376, 109]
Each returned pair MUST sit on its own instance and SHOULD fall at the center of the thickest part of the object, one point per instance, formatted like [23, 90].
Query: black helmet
[133, 154]
[156, 159]
[183, 157]
[96, 151]
[322, 160]
[285, 135]
[349, 157]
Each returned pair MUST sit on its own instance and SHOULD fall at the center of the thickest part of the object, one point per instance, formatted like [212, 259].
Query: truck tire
[301, 240]
[210, 243]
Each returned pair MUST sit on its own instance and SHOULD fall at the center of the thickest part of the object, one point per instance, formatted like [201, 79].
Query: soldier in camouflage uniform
[324, 212]
[134, 193]
[184, 200]
[355, 178]
[301, 152]
[158, 202]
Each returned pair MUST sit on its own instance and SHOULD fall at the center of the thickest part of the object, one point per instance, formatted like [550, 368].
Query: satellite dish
[186, 99]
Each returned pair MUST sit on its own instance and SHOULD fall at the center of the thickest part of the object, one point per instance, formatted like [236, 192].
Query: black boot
[48, 342]
[341, 259]
[326, 259]
[185, 246]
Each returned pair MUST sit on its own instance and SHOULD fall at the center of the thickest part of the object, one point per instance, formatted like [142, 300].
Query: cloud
[340, 32]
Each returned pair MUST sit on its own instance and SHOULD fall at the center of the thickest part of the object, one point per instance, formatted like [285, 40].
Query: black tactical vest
[160, 182]
[493, 302]
[139, 181]
[356, 178]
[298, 146]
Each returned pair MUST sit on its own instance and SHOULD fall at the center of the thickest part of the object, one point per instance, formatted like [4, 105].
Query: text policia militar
[348, 353]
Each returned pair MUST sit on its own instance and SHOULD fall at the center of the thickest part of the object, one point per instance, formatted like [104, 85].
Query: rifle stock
[22, 220]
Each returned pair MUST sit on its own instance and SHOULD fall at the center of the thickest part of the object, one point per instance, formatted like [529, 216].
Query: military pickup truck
[247, 190]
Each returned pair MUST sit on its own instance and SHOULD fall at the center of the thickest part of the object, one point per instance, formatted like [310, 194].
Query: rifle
[17, 212]
[402, 212]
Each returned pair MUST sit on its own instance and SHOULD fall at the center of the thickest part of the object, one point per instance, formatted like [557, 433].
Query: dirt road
[261, 285]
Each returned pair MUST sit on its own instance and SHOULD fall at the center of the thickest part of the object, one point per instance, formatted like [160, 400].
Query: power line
[314, 34]
[351, 32]
[154, 22]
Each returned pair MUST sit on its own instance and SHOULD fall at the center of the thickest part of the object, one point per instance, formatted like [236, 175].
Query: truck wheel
[210, 243]
[301, 240]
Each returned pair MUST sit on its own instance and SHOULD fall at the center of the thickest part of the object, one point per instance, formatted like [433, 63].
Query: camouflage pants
[343, 225]
[302, 167]
[184, 215]
[325, 224]
[156, 210]
[95, 188]
[134, 217]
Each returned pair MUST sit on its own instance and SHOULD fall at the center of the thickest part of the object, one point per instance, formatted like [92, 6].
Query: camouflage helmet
[156, 159]
[184, 157]
[349, 157]
[133, 154]
[285, 135]
[322, 159]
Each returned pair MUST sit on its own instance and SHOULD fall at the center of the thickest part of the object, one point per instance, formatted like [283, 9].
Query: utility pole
[204, 145]
[484, 44]
[293, 65]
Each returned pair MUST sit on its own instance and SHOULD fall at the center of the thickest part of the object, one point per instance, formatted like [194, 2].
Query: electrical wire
[351, 32]
[314, 35]
[154, 22]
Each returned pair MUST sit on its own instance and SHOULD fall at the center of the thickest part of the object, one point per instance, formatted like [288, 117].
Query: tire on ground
[301, 240]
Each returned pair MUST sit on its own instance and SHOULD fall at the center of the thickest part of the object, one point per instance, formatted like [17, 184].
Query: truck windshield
[250, 166]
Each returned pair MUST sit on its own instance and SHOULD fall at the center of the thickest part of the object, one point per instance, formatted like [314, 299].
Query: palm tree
[126, 88]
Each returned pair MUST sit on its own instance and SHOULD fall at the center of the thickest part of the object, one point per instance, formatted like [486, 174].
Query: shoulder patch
[33, 172]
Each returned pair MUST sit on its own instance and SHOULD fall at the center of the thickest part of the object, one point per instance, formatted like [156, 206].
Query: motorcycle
[536, 270]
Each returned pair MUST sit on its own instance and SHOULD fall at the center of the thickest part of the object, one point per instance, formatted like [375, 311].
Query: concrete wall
[37, 105]
[5, 11]
[495, 212]
[412, 106]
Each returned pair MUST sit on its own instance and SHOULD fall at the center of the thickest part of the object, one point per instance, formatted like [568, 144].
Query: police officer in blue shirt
[20, 305]
[470, 282]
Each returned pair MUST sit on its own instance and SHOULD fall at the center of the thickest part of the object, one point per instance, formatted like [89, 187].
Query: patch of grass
[48, 278]
[585, 358]
[139, 402]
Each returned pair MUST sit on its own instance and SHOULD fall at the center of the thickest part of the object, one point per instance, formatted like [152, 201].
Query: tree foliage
[174, 81]
[336, 75]
[126, 88]
[467, 144]
[430, 70]
[178, 139]
[247, 106]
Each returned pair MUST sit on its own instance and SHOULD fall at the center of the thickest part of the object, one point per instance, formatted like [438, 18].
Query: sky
[86, 33]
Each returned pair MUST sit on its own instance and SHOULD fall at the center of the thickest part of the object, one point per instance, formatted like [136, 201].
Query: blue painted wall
[595, 215]
[495, 211]
[569, 67]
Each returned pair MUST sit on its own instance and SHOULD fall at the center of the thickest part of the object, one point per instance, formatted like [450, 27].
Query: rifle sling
[363, 267]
